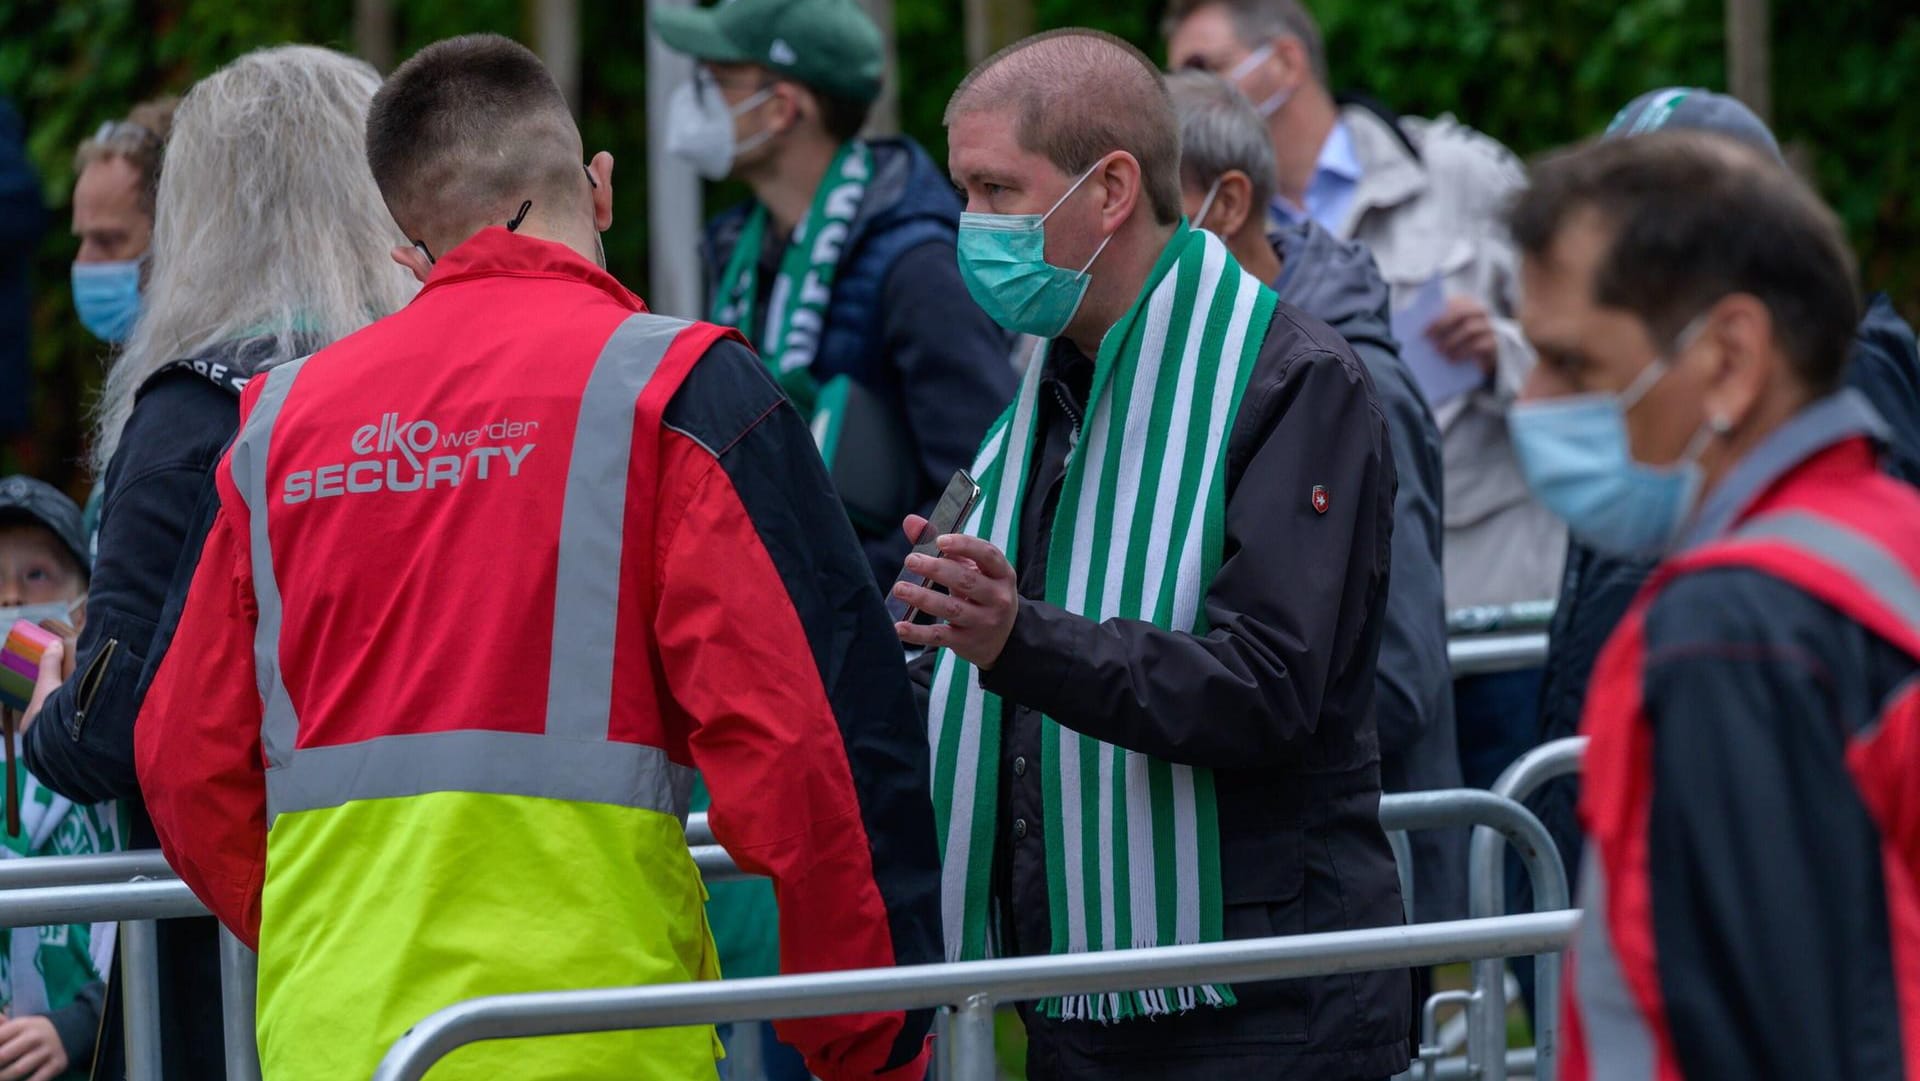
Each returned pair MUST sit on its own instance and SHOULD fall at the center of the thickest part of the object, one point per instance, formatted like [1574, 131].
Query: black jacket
[900, 324]
[1277, 698]
[1597, 588]
[1336, 282]
[158, 501]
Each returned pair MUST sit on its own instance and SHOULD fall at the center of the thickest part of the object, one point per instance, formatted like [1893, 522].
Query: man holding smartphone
[1151, 687]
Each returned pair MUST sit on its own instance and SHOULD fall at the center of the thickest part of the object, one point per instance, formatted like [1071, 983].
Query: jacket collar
[1838, 418]
[1389, 172]
[495, 253]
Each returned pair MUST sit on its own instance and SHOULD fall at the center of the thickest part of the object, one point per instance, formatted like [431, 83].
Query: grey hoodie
[1336, 282]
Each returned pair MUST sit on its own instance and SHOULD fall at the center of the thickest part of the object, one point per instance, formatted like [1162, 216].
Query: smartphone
[948, 514]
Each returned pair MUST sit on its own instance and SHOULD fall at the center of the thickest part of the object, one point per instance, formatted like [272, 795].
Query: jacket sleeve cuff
[78, 1024]
[1034, 667]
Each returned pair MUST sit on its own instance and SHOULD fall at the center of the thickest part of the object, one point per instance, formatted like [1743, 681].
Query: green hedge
[1533, 74]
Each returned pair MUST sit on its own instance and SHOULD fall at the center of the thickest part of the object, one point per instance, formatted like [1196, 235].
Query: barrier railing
[971, 988]
[1479, 619]
[138, 888]
[1485, 888]
[1498, 638]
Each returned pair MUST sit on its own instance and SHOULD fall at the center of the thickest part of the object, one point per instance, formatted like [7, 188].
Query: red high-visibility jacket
[488, 582]
[1752, 881]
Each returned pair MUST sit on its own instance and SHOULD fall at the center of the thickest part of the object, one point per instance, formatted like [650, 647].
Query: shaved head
[1078, 95]
[468, 129]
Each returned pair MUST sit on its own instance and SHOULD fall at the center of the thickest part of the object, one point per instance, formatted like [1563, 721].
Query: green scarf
[65, 957]
[1133, 843]
[797, 306]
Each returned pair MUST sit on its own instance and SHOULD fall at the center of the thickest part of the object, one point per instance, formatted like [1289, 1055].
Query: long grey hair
[267, 223]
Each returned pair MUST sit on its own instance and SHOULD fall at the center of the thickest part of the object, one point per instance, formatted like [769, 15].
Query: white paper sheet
[1440, 379]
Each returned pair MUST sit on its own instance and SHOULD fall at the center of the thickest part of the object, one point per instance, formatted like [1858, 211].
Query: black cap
[23, 499]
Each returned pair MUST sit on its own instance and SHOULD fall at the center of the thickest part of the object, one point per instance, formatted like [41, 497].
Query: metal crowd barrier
[971, 988]
[137, 888]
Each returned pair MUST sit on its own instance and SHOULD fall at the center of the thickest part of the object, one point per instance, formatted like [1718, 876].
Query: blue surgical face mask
[107, 296]
[1003, 260]
[1577, 459]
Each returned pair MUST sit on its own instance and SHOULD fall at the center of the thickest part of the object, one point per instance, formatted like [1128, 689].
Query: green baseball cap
[829, 45]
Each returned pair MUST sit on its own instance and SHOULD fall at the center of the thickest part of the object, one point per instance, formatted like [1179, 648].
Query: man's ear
[600, 169]
[409, 256]
[1121, 179]
[1741, 333]
[1235, 202]
[1292, 55]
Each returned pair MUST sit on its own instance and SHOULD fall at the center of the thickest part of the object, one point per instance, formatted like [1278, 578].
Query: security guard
[488, 582]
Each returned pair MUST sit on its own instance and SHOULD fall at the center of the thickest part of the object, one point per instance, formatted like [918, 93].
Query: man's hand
[979, 607]
[1464, 332]
[30, 1050]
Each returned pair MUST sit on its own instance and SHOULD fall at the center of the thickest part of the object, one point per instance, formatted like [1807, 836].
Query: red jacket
[1752, 888]
[489, 580]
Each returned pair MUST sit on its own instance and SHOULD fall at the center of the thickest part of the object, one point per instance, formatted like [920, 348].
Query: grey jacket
[1429, 203]
[1336, 282]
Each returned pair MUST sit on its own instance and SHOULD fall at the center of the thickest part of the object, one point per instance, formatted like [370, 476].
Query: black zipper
[90, 681]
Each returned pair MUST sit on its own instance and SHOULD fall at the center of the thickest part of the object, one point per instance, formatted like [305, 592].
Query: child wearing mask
[51, 978]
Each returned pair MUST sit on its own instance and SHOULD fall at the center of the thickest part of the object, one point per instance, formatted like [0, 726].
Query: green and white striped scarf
[1132, 843]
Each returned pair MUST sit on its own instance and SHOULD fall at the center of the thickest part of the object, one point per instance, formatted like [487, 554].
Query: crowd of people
[428, 580]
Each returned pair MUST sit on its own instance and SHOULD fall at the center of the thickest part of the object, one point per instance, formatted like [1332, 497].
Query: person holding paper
[1425, 196]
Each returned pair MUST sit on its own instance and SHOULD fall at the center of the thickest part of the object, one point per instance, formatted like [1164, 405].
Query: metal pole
[1487, 1028]
[140, 998]
[1403, 863]
[972, 1034]
[239, 974]
[673, 191]
[83, 870]
[926, 986]
[98, 903]
[1482, 653]
[716, 866]
[1519, 781]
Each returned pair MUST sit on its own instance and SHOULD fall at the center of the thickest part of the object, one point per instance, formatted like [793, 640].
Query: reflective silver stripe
[1860, 557]
[473, 760]
[1620, 1046]
[587, 572]
[248, 463]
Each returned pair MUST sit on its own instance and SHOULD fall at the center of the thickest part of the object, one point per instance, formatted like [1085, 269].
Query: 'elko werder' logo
[400, 456]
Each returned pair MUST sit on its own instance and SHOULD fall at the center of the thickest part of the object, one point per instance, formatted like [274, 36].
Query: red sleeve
[754, 655]
[197, 739]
